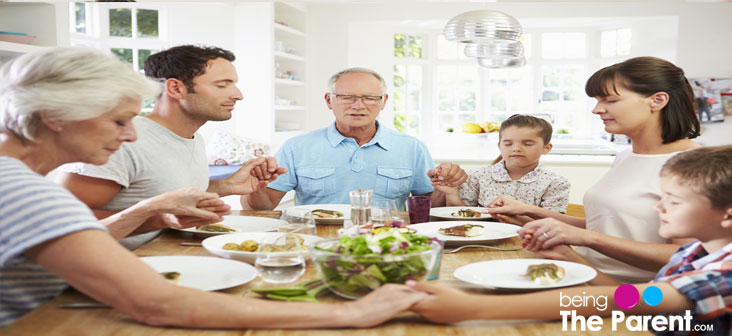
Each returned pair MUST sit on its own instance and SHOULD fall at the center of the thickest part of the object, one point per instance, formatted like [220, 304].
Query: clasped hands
[189, 207]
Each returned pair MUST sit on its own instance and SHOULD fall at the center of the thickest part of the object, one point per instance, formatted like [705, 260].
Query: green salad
[363, 263]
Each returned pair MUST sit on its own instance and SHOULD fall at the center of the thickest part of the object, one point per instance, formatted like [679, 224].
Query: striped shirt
[706, 279]
[33, 210]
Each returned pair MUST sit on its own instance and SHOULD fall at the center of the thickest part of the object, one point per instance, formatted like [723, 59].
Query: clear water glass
[384, 211]
[280, 267]
[299, 221]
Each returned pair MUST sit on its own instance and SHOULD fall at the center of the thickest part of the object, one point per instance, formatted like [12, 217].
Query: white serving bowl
[215, 244]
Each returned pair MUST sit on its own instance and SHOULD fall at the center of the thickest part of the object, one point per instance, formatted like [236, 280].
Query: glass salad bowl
[353, 266]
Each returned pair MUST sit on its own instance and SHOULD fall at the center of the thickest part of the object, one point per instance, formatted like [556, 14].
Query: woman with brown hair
[650, 101]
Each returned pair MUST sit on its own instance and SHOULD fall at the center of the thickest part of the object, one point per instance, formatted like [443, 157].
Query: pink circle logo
[626, 296]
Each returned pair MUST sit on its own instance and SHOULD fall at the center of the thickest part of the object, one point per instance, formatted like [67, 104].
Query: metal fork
[483, 246]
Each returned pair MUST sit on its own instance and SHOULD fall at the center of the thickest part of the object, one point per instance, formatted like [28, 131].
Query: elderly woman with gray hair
[65, 105]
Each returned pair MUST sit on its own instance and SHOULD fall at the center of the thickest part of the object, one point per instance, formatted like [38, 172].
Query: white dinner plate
[345, 209]
[491, 231]
[204, 273]
[241, 224]
[508, 273]
[446, 213]
[215, 244]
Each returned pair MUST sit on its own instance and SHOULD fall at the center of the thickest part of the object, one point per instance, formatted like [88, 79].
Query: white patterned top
[539, 187]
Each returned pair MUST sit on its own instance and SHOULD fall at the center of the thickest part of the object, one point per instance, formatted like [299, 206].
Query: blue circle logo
[652, 296]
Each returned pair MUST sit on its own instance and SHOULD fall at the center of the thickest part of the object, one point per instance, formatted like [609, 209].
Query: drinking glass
[419, 209]
[298, 220]
[280, 259]
[384, 211]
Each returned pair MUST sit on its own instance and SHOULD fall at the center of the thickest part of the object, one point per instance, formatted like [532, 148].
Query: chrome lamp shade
[492, 37]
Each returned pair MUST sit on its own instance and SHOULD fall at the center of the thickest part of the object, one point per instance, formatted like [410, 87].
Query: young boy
[697, 203]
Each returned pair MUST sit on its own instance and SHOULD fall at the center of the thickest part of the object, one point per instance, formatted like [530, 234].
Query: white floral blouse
[539, 187]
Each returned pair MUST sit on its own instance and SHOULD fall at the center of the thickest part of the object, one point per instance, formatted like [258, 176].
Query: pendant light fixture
[492, 37]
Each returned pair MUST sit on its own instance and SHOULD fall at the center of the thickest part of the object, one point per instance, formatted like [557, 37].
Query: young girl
[516, 172]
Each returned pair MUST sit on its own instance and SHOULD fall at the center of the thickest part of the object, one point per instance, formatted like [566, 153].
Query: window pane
[445, 48]
[550, 95]
[573, 77]
[574, 45]
[414, 75]
[400, 41]
[447, 100]
[551, 45]
[446, 76]
[624, 41]
[498, 101]
[120, 22]
[123, 54]
[550, 78]
[467, 100]
[80, 15]
[415, 46]
[415, 100]
[142, 56]
[608, 43]
[563, 45]
[400, 104]
[147, 23]
[467, 76]
[447, 121]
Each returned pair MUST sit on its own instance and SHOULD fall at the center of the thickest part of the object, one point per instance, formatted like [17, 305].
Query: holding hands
[382, 304]
[253, 176]
[506, 205]
[187, 207]
[546, 233]
[447, 174]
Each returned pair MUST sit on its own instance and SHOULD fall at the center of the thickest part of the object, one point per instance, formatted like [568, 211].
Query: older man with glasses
[355, 152]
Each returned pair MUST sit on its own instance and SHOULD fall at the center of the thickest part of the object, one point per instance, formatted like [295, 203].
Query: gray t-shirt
[158, 162]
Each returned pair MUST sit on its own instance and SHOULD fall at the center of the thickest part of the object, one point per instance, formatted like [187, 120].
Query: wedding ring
[546, 235]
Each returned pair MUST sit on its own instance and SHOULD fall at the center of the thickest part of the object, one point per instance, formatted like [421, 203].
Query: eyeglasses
[350, 99]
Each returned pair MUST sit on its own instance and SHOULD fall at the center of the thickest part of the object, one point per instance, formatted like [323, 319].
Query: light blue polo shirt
[324, 166]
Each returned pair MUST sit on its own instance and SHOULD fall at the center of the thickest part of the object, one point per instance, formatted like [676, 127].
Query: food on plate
[245, 246]
[215, 228]
[466, 213]
[545, 274]
[325, 214]
[171, 276]
[292, 243]
[355, 265]
[381, 229]
[465, 230]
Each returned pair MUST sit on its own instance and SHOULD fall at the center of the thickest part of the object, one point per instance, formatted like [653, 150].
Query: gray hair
[69, 84]
[334, 78]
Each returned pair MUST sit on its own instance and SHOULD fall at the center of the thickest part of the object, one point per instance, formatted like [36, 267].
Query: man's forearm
[258, 200]
[220, 187]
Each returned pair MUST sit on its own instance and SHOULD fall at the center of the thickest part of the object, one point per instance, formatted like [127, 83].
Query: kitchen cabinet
[47, 21]
[272, 34]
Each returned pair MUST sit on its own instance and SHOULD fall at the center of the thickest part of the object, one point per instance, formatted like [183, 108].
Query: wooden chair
[577, 210]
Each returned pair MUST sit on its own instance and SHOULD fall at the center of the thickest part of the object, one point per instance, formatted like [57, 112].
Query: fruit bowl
[354, 266]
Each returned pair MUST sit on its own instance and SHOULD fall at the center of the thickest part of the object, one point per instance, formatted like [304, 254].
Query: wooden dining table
[49, 319]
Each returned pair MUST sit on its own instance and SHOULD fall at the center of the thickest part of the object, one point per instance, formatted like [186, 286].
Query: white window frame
[424, 121]
[97, 35]
[586, 126]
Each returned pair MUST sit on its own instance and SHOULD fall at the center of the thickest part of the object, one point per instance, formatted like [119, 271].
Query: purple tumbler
[419, 208]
